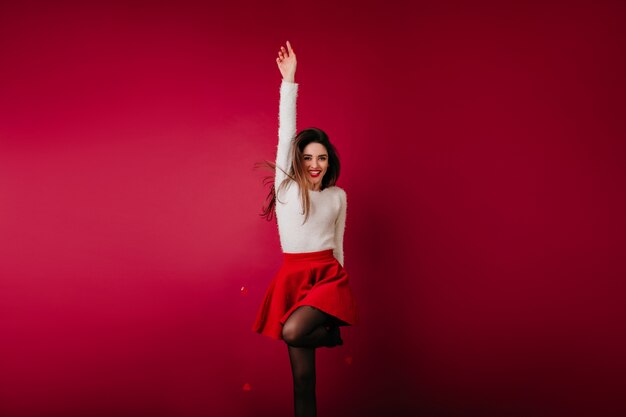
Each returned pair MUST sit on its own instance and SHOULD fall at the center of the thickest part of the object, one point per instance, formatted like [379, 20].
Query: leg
[306, 327]
[303, 369]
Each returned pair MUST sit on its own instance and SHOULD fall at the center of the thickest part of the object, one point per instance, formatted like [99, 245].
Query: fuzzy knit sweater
[324, 229]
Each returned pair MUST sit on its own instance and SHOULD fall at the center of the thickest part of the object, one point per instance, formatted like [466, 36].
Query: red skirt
[315, 279]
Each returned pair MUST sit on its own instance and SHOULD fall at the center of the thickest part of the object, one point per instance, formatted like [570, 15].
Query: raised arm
[340, 227]
[286, 62]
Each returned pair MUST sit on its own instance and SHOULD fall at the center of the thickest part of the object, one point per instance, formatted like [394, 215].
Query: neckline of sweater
[319, 191]
[314, 191]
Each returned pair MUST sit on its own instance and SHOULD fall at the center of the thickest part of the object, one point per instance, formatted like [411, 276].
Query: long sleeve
[340, 227]
[286, 129]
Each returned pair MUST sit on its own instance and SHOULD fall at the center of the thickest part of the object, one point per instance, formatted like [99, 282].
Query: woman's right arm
[286, 112]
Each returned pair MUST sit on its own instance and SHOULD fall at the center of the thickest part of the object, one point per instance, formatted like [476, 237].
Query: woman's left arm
[340, 227]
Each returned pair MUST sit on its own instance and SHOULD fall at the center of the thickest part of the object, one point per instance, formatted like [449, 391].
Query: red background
[483, 156]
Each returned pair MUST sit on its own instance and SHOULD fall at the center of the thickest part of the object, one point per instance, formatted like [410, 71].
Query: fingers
[285, 53]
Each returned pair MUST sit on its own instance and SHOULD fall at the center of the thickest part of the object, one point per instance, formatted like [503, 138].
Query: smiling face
[315, 163]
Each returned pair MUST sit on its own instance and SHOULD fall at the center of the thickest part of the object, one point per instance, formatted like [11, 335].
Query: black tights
[304, 331]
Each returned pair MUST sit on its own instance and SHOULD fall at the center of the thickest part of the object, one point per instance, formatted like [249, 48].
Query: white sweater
[324, 229]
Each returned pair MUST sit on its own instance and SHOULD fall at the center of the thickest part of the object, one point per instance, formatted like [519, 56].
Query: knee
[290, 334]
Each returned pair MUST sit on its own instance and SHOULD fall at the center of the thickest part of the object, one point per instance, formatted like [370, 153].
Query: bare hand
[287, 62]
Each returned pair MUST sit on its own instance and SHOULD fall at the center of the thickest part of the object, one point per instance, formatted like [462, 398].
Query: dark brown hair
[296, 170]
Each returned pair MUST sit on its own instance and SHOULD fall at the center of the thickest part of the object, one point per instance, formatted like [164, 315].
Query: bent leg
[306, 327]
[303, 369]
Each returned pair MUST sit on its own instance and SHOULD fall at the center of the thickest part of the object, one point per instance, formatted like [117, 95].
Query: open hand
[287, 62]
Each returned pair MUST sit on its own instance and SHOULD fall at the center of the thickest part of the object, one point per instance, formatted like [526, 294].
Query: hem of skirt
[305, 303]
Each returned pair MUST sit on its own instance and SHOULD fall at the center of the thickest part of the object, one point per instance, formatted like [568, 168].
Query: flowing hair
[296, 171]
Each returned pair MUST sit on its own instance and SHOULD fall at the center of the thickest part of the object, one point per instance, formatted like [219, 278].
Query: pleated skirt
[315, 279]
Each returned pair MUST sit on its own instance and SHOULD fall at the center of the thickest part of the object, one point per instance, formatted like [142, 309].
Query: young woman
[310, 296]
